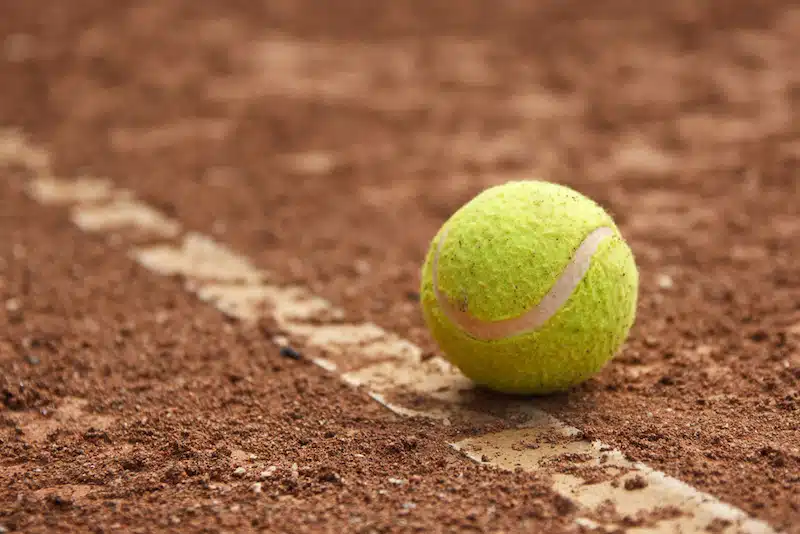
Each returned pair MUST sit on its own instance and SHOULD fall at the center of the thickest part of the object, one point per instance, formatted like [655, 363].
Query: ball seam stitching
[533, 319]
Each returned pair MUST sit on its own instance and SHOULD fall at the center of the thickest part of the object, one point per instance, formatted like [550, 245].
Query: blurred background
[327, 141]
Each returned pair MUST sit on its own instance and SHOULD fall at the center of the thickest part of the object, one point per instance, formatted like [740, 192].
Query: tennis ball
[529, 288]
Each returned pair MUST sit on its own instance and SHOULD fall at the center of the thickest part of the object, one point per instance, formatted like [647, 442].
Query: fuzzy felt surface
[502, 252]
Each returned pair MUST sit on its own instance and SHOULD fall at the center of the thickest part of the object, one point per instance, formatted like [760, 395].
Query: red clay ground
[681, 120]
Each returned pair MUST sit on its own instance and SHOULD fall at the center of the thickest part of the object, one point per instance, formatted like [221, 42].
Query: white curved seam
[537, 316]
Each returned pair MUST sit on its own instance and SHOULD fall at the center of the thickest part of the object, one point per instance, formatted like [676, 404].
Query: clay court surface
[212, 220]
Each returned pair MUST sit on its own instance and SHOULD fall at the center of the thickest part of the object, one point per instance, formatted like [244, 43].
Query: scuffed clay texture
[501, 265]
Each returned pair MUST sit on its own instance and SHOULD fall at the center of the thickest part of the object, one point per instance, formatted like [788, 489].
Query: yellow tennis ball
[529, 288]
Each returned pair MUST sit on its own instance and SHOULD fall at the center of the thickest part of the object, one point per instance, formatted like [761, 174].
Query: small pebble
[162, 316]
[289, 352]
[636, 483]
[665, 281]
[397, 481]
[269, 471]
[256, 487]
[759, 335]
[651, 342]
[239, 472]
[315, 162]
[586, 523]
[12, 305]
[362, 267]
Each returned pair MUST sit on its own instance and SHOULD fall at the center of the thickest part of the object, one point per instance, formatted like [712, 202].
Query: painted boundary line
[388, 367]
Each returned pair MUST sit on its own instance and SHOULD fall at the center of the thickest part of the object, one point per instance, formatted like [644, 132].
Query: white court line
[389, 367]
